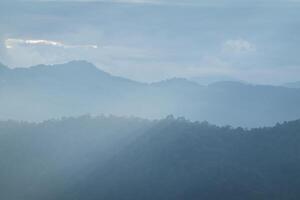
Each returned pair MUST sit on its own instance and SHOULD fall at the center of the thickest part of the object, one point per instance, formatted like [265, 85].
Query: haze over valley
[77, 88]
[149, 100]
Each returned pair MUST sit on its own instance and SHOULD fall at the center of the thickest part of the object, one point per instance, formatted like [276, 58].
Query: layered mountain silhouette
[131, 159]
[72, 89]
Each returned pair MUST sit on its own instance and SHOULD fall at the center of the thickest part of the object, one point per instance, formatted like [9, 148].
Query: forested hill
[130, 158]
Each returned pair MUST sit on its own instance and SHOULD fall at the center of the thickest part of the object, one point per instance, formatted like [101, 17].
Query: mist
[149, 99]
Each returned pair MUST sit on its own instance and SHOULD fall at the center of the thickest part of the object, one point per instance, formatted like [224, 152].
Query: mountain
[176, 82]
[209, 79]
[179, 160]
[44, 92]
[3, 67]
[72, 89]
[131, 158]
[39, 160]
[293, 84]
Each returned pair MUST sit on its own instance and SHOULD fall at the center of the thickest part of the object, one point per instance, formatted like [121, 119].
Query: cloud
[18, 52]
[149, 2]
[222, 44]
[238, 46]
[137, 1]
[12, 43]
[112, 1]
[25, 52]
[179, 2]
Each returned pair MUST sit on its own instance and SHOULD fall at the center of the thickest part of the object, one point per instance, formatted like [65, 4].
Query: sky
[151, 40]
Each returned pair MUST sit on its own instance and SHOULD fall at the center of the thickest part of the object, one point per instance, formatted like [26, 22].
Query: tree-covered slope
[39, 160]
[183, 160]
[116, 158]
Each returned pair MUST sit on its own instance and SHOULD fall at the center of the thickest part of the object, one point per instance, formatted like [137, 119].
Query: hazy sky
[150, 40]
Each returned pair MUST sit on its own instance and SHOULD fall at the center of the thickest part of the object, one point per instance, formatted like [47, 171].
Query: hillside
[117, 158]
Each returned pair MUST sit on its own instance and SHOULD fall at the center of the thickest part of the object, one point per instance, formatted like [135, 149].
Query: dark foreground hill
[76, 88]
[116, 158]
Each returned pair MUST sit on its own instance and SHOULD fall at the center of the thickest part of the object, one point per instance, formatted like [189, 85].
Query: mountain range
[116, 158]
[293, 84]
[53, 91]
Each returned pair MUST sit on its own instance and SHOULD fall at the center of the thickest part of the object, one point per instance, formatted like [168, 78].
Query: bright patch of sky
[11, 43]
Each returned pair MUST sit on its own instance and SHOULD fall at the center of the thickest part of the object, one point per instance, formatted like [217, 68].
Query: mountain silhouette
[293, 84]
[78, 87]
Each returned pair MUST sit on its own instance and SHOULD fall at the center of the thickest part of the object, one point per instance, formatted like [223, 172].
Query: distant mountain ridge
[176, 81]
[78, 87]
[3, 67]
[293, 84]
[79, 69]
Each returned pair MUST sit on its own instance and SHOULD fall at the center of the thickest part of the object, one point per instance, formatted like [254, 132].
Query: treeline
[130, 158]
